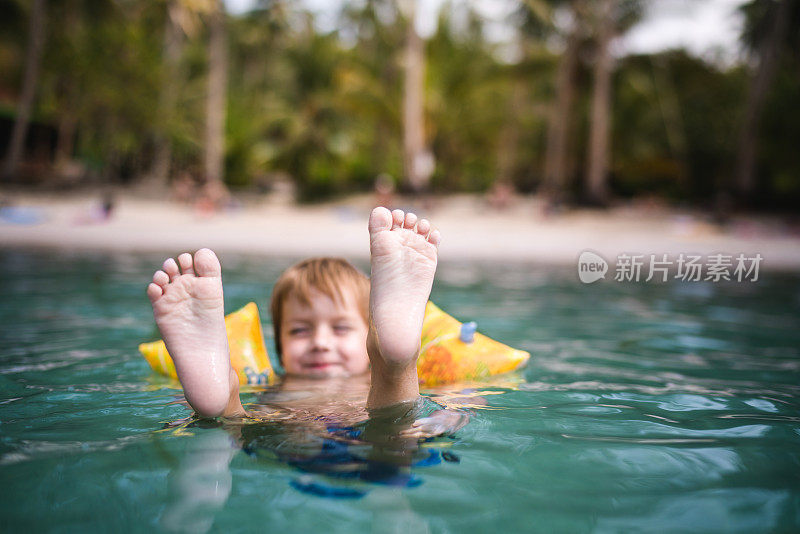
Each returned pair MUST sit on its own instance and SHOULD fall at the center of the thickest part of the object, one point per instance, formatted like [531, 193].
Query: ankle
[234, 407]
[391, 372]
[392, 385]
[398, 361]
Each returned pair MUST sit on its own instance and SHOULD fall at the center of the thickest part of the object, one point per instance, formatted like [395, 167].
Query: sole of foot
[404, 253]
[189, 310]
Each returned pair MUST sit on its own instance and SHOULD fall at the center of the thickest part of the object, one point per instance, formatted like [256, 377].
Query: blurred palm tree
[33, 56]
[179, 23]
[559, 125]
[418, 161]
[371, 90]
[592, 27]
[608, 19]
[217, 94]
[771, 29]
[469, 104]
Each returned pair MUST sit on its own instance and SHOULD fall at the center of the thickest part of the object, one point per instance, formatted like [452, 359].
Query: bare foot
[403, 259]
[189, 311]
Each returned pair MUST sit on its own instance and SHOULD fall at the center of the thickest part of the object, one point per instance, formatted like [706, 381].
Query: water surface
[646, 407]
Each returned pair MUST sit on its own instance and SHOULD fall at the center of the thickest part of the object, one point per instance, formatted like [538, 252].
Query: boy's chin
[330, 371]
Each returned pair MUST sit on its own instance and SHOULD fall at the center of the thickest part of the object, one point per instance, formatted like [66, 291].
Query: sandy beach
[271, 225]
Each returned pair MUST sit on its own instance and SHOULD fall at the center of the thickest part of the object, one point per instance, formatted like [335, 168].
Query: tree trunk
[509, 137]
[558, 124]
[172, 48]
[67, 120]
[670, 108]
[759, 85]
[600, 122]
[33, 56]
[417, 160]
[215, 103]
[65, 145]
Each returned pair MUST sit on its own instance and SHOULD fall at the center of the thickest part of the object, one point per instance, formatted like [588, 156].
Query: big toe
[380, 219]
[206, 263]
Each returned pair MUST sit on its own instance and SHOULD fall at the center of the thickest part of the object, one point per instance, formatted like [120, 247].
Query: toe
[206, 263]
[171, 268]
[410, 221]
[380, 219]
[397, 218]
[435, 238]
[423, 227]
[185, 262]
[154, 291]
[160, 278]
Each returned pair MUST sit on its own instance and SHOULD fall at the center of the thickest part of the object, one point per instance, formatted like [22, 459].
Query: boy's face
[325, 339]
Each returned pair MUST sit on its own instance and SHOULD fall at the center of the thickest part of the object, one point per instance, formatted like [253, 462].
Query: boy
[359, 340]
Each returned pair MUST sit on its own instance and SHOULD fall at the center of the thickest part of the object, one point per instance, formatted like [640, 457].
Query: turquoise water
[646, 407]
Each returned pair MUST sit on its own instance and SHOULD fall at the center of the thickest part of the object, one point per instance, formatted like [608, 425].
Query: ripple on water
[643, 407]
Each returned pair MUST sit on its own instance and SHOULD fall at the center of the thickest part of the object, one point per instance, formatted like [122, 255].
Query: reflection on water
[200, 484]
[329, 460]
[646, 407]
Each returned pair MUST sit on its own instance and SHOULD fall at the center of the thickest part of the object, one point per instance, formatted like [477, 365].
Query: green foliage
[326, 108]
[780, 131]
[676, 121]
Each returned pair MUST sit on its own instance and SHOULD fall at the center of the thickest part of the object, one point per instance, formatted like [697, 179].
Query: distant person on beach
[107, 206]
[384, 191]
[183, 188]
[348, 344]
[99, 213]
[500, 196]
[213, 196]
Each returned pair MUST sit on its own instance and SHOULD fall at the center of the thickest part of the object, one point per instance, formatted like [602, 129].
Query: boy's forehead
[316, 300]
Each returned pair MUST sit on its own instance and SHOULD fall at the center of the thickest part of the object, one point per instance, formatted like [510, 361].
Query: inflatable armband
[248, 355]
[453, 352]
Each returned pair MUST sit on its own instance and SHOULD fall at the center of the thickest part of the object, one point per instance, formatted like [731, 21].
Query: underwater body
[644, 407]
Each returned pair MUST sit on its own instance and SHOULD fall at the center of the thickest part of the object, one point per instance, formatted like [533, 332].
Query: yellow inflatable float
[454, 352]
[248, 353]
[451, 351]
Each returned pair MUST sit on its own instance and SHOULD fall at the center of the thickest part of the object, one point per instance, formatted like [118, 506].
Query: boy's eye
[298, 331]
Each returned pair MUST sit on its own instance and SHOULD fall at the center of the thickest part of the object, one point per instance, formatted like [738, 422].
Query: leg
[403, 261]
[189, 311]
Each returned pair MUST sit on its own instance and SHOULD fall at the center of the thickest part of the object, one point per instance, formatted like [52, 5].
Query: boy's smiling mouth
[317, 367]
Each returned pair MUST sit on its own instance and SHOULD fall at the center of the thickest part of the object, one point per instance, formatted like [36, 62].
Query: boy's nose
[322, 338]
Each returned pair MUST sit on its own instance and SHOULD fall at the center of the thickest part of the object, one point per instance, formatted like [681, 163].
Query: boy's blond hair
[333, 277]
